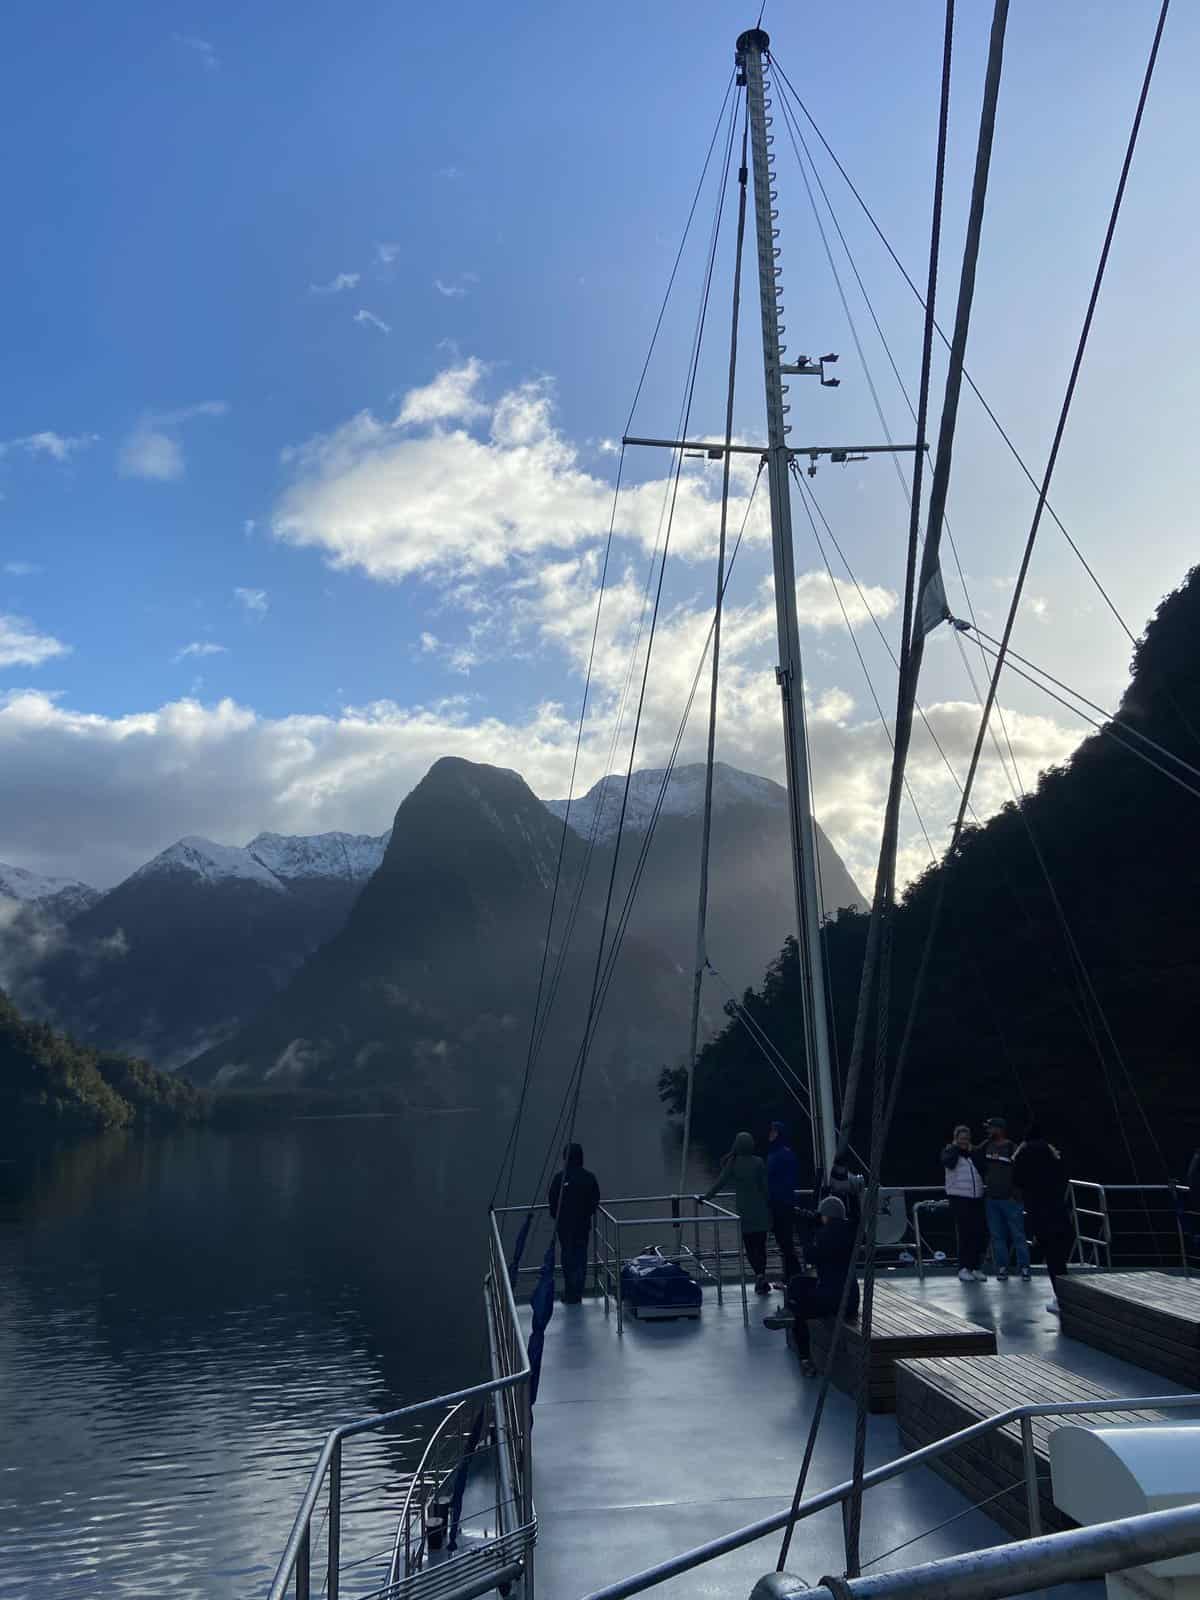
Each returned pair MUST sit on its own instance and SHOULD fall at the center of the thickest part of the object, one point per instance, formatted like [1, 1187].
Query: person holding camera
[965, 1190]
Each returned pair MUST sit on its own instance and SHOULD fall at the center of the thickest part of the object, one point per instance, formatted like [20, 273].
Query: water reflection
[185, 1317]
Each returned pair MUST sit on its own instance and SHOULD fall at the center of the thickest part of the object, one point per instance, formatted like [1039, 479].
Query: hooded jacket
[748, 1175]
[574, 1207]
[783, 1170]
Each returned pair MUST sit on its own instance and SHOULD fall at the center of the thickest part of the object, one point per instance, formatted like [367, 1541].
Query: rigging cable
[641, 702]
[514, 1135]
[911, 646]
[706, 825]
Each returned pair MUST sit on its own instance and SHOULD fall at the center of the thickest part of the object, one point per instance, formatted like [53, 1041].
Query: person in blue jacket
[783, 1178]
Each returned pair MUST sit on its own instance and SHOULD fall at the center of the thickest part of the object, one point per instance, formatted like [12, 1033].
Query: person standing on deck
[1005, 1215]
[830, 1250]
[783, 1175]
[748, 1175]
[1042, 1177]
[965, 1191]
[573, 1199]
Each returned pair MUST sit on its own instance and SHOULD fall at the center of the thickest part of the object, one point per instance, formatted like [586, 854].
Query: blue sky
[234, 231]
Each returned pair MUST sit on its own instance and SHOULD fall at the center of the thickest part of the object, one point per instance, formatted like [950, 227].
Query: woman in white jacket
[965, 1190]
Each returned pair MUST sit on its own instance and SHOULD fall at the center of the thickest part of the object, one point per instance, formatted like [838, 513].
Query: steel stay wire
[531, 1053]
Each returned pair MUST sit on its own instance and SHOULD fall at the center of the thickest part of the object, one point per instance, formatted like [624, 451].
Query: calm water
[183, 1318]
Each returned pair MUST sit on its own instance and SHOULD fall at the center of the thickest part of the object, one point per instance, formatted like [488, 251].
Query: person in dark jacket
[1005, 1217]
[1041, 1176]
[830, 1249]
[574, 1198]
[783, 1176]
[965, 1192]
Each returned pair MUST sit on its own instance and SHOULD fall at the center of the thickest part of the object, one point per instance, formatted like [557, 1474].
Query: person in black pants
[830, 1249]
[965, 1192]
[1041, 1176]
[783, 1175]
[574, 1198]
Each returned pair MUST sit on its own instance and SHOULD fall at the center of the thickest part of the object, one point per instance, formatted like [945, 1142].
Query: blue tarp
[542, 1303]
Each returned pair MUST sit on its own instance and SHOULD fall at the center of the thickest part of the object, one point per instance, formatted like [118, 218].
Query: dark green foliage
[51, 1085]
[1010, 1021]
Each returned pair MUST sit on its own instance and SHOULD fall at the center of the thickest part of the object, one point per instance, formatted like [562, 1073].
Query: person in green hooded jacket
[747, 1173]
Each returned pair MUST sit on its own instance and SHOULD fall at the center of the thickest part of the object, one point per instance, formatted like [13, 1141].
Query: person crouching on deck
[748, 1175]
[830, 1250]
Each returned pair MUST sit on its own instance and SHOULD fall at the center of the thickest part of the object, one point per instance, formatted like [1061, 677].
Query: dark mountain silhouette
[429, 986]
[1009, 1022]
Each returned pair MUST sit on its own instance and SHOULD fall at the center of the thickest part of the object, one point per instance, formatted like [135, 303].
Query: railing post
[335, 1521]
[618, 1290]
[1177, 1205]
[718, 1266]
[303, 1563]
[1032, 1495]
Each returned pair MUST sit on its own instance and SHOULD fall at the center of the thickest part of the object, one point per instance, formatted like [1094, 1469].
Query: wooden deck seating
[938, 1397]
[1145, 1317]
[901, 1326]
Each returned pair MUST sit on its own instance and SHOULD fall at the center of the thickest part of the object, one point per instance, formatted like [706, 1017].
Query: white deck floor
[647, 1445]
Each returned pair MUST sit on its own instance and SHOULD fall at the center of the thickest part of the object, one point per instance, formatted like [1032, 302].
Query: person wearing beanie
[747, 1173]
[783, 1177]
[830, 1250]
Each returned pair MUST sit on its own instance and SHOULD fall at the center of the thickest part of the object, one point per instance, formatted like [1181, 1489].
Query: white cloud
[248, 527]
[369, 319]
[204, 52]
[199, 647]
[456, 288]
[58, 446]
[149, 452]
[22, 569]
[254, 600]
[387, 254]
[450, 397]
[452, 173]
[94, 796]
[21, 645]
[336, 285]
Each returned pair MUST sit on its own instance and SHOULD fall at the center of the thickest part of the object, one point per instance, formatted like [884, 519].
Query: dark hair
[962, 1127]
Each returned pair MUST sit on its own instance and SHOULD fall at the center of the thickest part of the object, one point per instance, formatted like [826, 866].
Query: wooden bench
[1145, 1317]
[901, 1325]
[935, 1398]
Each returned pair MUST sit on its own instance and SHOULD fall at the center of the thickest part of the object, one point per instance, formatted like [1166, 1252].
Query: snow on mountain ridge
[212, 862]
[17, 883]
[320, 855]
[684, 798]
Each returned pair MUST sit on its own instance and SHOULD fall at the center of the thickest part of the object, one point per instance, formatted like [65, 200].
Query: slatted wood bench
[1148, 1318]
[935, 1398]
[901, 1325]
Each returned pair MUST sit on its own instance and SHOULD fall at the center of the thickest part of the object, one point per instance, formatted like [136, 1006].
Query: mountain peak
[354, 856]
[684, 797]
[208, 861]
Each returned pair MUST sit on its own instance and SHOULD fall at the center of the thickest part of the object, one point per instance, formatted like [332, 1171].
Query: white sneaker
[965, 1275]
[980, 1277]
[1052, 1306]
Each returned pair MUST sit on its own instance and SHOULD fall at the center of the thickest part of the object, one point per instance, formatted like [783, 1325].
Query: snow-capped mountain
[684, 798]
[59, 898]
[272, 860]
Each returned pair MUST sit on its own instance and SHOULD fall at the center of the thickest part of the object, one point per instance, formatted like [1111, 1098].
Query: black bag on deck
[651, 1281]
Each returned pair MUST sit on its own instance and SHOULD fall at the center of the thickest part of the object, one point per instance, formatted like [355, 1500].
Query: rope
[510, 1150]
[706, 826]
[885, 885]
[911, 650]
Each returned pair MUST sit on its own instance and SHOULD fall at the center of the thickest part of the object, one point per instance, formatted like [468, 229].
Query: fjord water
[182, 1318]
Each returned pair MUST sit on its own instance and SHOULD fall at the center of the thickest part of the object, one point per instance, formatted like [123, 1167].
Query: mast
[752, 48]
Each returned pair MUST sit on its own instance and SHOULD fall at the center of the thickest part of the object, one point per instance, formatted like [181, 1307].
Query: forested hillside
[1103, 1049]
[50, 1085]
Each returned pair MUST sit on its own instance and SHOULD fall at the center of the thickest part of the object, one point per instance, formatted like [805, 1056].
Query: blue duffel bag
[652, 1282]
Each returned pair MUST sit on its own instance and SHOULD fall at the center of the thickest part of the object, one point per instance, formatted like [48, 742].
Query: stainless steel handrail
[700, 1555]
[435, 1440]
[296, 1559]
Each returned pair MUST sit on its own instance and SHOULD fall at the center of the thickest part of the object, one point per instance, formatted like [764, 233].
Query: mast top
[753, 39]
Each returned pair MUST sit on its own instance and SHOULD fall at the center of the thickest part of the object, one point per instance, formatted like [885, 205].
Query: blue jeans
[1006, 1224]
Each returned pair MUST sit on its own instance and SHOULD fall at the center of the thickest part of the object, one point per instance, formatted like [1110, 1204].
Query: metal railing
[709, 1263]
[701, 1555]
[487, 1565]
[1010, 1569]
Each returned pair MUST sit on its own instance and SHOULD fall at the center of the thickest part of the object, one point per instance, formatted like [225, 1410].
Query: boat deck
[650, 1444]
